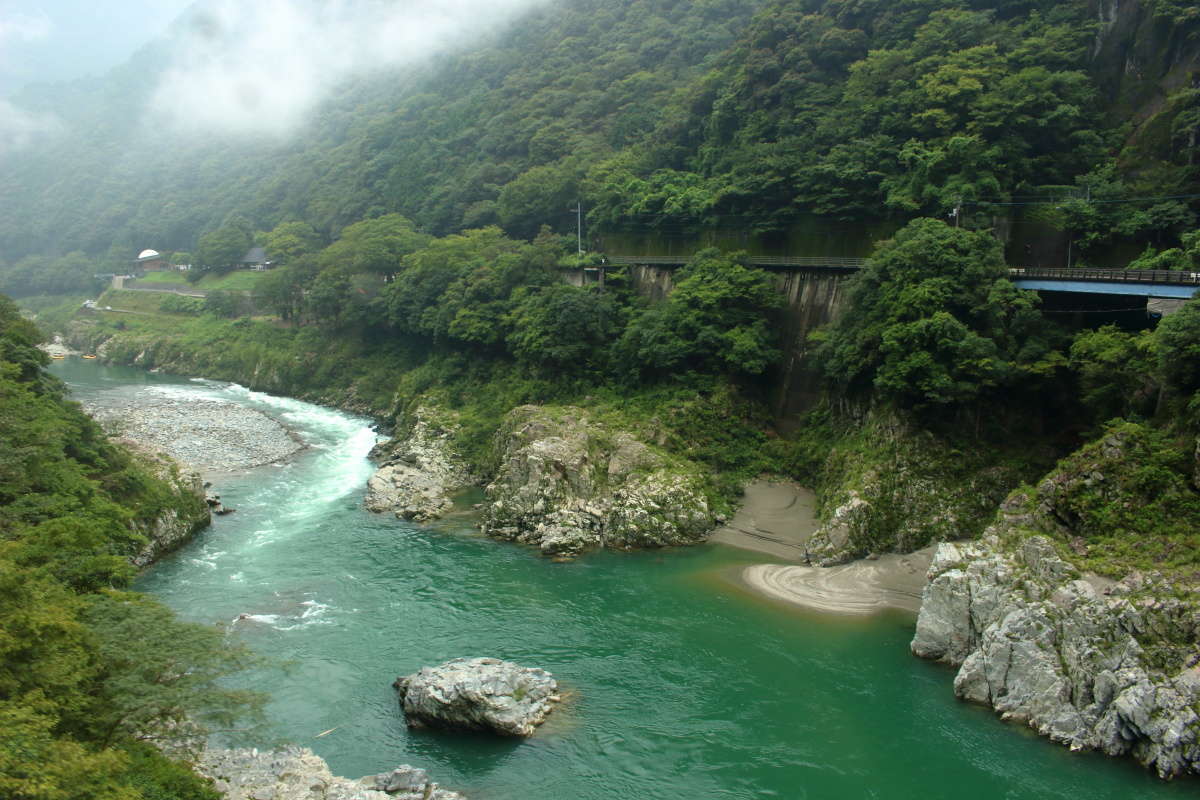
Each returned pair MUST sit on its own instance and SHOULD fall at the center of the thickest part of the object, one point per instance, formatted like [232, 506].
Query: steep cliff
[888, 486]
[1089, 661]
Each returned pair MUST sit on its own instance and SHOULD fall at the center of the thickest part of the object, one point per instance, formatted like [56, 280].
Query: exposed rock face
[418, 471]
[566, 484]
[893, 488]
[295, 773]
[178, 523]
[483, 694]
[1044, 647]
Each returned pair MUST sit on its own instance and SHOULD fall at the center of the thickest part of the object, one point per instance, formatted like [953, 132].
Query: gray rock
[419, 471]
[566, 484]
[483, 694]
[184, 518]
[1047, 649]
[410, 783]
[294, 773]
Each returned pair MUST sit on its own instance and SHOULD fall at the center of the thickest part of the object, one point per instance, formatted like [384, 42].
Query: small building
[151, 261]
[256, 259]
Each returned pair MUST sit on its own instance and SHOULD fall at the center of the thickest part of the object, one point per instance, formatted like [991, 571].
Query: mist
[259, 69]
[20, 128]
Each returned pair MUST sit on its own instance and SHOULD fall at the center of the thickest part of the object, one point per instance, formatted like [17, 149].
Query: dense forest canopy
[660, 116]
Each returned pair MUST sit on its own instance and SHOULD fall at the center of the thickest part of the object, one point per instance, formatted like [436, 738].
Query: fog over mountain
[230, 67]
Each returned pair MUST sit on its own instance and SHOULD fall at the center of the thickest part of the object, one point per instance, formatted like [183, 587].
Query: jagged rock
[834, 542]
[566, 484]
[1044, 647]
[893, 487]
[483, 694]
[410, 783]
[294, 773]
[418, 471]
[177, 524]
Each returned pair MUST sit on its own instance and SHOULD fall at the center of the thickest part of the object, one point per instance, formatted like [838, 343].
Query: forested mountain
[422, 219]
[663, 116]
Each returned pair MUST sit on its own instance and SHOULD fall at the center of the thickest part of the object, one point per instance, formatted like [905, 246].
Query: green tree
[932, 321]
[1177, 342]
[222, 249]
[288, 241]
[715, 320]
[1116, 372]
[564, 328]
[374, 245]
[161, 679]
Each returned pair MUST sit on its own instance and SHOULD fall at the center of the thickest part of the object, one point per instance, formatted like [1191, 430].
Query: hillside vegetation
[91, 675]
[662, 116]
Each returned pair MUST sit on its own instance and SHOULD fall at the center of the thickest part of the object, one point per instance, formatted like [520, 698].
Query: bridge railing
[826, 262]
[1049, 273]
[1158, 276]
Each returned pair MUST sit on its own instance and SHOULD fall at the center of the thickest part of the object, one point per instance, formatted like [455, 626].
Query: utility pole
[579, 226]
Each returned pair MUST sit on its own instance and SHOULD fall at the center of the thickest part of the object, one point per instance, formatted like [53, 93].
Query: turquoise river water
[681, 684]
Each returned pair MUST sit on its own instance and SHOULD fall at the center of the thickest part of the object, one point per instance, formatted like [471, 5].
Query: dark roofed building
[256, 258]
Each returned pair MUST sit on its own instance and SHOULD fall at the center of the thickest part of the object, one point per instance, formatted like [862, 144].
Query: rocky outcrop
[295, 773]
[418, 471]
[566, 483]
[891, 487]
[481, 694]
[1090, 665]
[173, 525]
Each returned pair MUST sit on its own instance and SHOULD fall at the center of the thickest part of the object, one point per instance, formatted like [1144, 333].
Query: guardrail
[826, 262]
[1108, 275]
[1047, 273]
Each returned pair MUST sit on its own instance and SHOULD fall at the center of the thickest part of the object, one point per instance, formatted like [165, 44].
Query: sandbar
[777, 518]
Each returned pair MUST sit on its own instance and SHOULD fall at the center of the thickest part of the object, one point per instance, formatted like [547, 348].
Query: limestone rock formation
[418, 471]
[1079, 661]
[482, 694]
[295, 773]
[566, 484]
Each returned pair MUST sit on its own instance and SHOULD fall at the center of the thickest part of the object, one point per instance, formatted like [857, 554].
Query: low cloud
[260, 68]
[15, 26]
[20, 128]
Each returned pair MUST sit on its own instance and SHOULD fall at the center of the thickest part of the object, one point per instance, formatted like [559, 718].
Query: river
[681, 685]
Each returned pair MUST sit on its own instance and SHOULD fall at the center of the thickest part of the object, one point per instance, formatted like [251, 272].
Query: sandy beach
[777, 518]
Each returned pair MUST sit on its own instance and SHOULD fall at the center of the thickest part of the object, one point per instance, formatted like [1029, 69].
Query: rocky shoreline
[419, 471]
[1091, 664]
[206, 435]
[295, 773]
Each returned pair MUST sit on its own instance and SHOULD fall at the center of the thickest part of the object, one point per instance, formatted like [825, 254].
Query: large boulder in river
[567, 483]
[480, 694]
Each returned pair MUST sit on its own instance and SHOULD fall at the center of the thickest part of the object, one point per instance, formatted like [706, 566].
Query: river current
[680, 684]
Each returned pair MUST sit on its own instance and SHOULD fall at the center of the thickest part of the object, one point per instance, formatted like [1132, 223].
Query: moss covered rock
[566, 483]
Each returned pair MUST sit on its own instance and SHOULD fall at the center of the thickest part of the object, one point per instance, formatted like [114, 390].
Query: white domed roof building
[151, 261]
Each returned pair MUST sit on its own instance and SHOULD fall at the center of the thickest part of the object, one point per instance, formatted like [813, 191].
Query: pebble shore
[209, 436]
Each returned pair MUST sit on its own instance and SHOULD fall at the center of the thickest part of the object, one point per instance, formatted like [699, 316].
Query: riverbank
[778, 517]
[211, 436]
